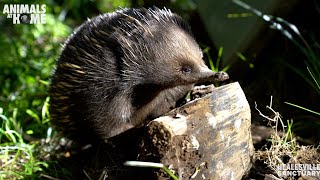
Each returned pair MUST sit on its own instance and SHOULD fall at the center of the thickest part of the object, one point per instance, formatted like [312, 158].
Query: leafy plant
[312, 72]
[28, 56]
[216, 67]
[26, 65]
[17, 158]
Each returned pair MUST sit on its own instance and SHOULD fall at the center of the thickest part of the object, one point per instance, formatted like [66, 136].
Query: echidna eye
[186, 69]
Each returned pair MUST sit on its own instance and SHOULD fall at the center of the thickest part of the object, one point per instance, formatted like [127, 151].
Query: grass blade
[314, 112]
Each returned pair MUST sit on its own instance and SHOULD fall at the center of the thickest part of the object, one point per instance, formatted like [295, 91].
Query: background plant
[311, 72]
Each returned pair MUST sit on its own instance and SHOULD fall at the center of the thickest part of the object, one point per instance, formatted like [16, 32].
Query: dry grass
[284, 147]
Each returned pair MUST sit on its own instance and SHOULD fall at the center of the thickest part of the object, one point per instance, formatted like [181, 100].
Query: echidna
[119, 70]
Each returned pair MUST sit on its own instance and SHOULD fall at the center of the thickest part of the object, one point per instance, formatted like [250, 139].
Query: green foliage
[28, 55]
[186, 5]
[311, 74]
[111, 5]
[243, 58]
[216, 67]
[27, 61]
[17, 158]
